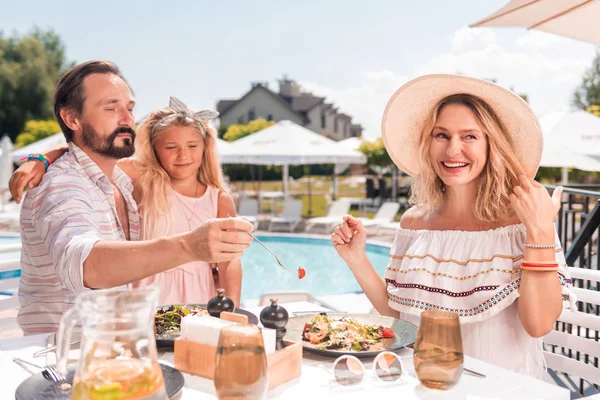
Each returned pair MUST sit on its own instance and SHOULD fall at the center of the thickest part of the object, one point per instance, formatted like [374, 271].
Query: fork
[268, 249]
[49, 372]
[54, 375]
[51, 349]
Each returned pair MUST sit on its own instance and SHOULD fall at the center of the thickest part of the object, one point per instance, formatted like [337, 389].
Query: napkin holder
[199, 359]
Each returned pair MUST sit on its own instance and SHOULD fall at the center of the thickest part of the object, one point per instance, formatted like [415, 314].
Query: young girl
[480, 240]
[178, 184]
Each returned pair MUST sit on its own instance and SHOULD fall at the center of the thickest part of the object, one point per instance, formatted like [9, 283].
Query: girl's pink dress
[193, 282]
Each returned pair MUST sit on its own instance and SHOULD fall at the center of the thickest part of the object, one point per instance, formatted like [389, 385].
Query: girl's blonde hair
[155, 207]
[499, 176]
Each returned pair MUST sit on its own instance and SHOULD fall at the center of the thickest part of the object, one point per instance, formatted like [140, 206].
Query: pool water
[326, 272]
[9, 240]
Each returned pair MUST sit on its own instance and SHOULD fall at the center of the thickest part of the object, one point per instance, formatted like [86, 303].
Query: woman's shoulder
[414, 218]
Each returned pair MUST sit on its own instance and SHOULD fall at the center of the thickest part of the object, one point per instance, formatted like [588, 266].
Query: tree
[377, 155]
[238, 131]
[36, 130]
[595, 109]
[30, 66]
[588, 93]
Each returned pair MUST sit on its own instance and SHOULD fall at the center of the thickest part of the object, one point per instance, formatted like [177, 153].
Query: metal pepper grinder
[220, 303]
[275, 317]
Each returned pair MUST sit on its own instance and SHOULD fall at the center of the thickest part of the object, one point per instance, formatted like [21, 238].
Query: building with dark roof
[291, 104]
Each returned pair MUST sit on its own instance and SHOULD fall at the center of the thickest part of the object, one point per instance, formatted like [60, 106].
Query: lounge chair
[386, 214]
[9, 301]
[338, 209]
[248, 209]
[285, 297]
[291, 215]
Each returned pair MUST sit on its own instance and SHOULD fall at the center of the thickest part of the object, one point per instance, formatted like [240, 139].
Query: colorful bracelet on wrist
[541, 266]
[37, 156]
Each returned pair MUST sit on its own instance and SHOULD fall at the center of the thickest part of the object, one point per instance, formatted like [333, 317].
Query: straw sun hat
[408, 111]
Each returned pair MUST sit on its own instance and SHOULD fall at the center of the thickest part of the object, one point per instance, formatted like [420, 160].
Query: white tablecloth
[316, 380]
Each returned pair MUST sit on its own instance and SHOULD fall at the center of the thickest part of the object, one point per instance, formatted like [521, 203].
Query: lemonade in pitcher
[118, 358]
[119, 380]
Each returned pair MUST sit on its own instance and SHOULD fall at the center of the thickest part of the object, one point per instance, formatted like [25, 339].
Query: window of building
[251, 115]
[335, 125]
[323, 120]
[269, 117]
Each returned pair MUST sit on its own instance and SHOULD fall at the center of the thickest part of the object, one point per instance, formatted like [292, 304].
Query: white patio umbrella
[557, 155]
[41, 146]
[285, 144]
[576, 19]
[57, 139]
[577, 130]
[222, 146]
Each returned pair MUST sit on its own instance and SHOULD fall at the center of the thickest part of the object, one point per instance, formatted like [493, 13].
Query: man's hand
[219, 240]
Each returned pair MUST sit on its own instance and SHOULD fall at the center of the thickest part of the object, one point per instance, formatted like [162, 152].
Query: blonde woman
[480, 239]
[178, 184]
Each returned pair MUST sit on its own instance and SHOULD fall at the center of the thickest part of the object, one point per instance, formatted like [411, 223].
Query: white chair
[285, 297]
[338, 209]
[386, 214]
[9, 300]
[388, 228]
[248, 209]
[10, 218]
[291, 215]
[580, 342]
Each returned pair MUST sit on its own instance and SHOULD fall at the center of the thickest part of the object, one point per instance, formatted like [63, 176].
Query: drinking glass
[438, 355]
[241, 364]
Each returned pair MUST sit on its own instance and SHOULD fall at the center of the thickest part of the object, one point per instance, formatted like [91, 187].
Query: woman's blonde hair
[499, 176]
[154, 182]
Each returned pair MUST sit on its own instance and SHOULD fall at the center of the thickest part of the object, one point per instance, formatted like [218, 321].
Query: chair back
[9, 300]
[285, 297]
[573, 347]
[387, 212]
[292, 208]
[248, 207]
[338, 209]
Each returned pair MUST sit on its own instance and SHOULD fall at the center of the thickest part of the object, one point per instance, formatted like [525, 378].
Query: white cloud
[547, 78]
[468, 37]
[534, 40]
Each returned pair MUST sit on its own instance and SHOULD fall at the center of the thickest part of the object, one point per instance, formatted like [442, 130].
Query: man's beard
[106, 146]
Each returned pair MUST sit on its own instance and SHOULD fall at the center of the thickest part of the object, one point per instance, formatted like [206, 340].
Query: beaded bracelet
[540, 246]
[37, 156]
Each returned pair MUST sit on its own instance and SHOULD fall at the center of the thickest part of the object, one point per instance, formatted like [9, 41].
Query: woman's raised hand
[349, 239]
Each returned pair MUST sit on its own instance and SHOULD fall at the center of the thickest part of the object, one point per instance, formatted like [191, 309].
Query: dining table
[316, 380]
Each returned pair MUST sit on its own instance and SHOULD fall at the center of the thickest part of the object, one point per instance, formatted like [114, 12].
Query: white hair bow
[181, 108]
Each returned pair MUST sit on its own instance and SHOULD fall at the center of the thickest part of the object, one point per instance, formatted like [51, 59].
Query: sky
[355, 53]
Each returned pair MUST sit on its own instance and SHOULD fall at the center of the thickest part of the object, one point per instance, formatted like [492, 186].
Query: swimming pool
[8, 240]
[326, 272]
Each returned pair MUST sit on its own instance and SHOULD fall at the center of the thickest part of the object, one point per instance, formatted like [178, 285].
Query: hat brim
[407, 111]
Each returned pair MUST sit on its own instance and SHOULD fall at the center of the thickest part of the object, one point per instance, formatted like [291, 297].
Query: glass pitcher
[118, 357]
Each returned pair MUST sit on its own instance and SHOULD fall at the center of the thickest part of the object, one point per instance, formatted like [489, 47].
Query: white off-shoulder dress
[477, 275]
